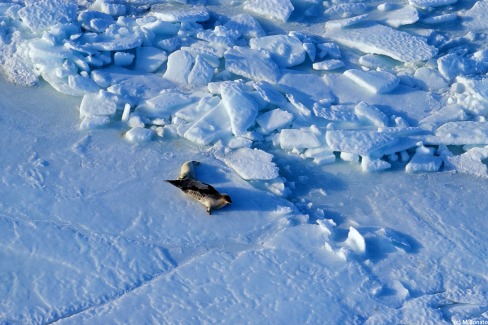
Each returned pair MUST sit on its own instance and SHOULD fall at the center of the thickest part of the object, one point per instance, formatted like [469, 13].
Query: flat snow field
[351, 137]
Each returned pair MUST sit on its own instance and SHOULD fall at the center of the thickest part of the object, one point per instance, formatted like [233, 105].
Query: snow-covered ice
[266, 95]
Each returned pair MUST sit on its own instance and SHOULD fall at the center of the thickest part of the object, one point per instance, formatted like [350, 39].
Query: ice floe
[272, 9]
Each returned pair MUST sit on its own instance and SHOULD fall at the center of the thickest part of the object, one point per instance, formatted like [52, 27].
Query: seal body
[204, 193]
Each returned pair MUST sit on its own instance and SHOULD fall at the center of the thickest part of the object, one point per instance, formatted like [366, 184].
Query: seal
[187, 170]
[204, 193]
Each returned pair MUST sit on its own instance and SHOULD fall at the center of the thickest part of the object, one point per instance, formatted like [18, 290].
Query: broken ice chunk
[149, 59]
[377, 82]
[101, 103]
[475, 18]
[82, 84]
[285, 50]
[464, 132]
[269, 93]
[211, 127]
[471, 162]
[252, 64]
[202, 72]
[179, 67]
[274, 120]
[374, 165]
[430, 79]
[241, 109]
[138, 134]
[252, 164]
[450, 113]
[424, 161]
[380, 39]
[355, 241]
[298, 139]
[371, 113]
[328, 65]
[431, 3]
[41, 14]
[123, 59]
[335, 112]
[164, 105]
[246, 25]
[179, 13]
[272, 9]
[320, 155]
[91, 122]
[363, 143]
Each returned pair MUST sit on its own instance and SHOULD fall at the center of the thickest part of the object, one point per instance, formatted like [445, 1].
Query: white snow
[393, 232]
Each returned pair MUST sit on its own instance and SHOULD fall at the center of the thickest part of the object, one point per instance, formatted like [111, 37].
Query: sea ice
[328, 65]
[307, 88]
[398, 17]
[101, 103]
[139, 134]
[269, 93]
[82, 84]
[179, 67]
[355, 241]
[91, 122]
[346, 22]
[475, 18]
[212, 126]
[201, 73]
[246, 25]
[430, 79]
[372, 114]
[449, 113]
[285, 50]
[149, 59]
[41, 14]
[298, 139]
[252, 164]
[123, 58]
[471, 162]
[241, 109]
[252, 64]
[374, 165]
[379, 39]
[274, 120]
[321, 155]
[377, 82]
[174, 13]
[424, 161]
[463, 132]
[431, 3]
[164, 105]
[272, 9]
[363, 143]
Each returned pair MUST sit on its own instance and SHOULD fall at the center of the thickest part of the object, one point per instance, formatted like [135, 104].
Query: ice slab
[298, 139]
[463, 132]
[252, 64]
[374, 165]
[285, 50]
[430, 79]
[139, 134]
[398, 17]
[450, 113]
[179, 13]
[475, 18]
[92, 122]
[372, 114]
[246, 25]
[269, 93]
[164, 105]
[471, 162]
[424, 161]
[355, 241]
[335, 113]
[274, 120]
[115, 38]
[149, 59]
[101, 103]
[379, 39]
[343, 23]
[211, 127]
[82, 84]
[321, 155]
[252, 164]
[431, 3]
[306, 88]
[41, 14]
[328, 65]
[346, 10]
[241, 109]
[272, 9]
[179, 67]
[192, 113]
[363, 143]
[201, 73]
[377, 82]
[473, 94]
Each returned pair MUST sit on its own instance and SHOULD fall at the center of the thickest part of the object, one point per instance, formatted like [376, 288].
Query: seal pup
[204, 193]
[187, 170]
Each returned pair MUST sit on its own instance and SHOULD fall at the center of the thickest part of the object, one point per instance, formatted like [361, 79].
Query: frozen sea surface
[351, 137]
